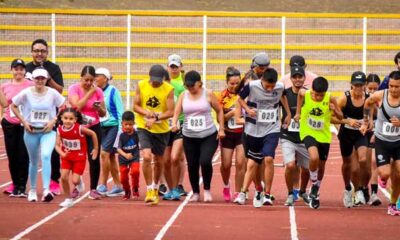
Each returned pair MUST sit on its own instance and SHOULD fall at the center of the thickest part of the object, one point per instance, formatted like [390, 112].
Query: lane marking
[51, 216]
[293, 225]
[385, 192]
[179, 210]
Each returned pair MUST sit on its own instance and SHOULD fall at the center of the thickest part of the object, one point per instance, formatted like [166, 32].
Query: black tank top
[292, 101]
[350, 111]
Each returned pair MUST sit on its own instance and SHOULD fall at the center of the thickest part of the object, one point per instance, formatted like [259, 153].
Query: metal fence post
[53, 37]
[128, 63]
[205, 50]
[364, 55]
[283, 46]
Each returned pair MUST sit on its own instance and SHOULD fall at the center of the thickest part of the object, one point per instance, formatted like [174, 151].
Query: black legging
[18, 159]
[94, 164]
[199, 152]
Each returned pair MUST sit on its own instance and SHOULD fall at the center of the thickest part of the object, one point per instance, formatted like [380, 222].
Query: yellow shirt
[155, 100]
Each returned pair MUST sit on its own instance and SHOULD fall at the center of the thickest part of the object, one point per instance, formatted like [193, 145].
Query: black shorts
[257, 148]
[231, 140]
[323, 148]
[369, 135]
[174, 136]
[349, 140]
[157, 142]
[384, 151]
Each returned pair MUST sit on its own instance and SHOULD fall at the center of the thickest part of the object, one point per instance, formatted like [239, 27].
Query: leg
[226, 164]
[11, 140]
[269, 173]
[47, 143]
[32, 143]
[252, 168]
[207, 150]
[364, 172]
[65, 181]
[192, 153]
[240, 166]
[147, 168]
[395, 178]
[346, 171]
[135, 174]
[124, 170]
[94, 164]
[105, 166]
[176, 159]
[158, 166]
[114, 169]
[168, 167]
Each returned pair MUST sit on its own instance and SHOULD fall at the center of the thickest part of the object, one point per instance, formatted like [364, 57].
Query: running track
[114, 218]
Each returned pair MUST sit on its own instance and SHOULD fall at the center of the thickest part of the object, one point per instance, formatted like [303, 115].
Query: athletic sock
[150, 187]
[374, 188]
[314, 176]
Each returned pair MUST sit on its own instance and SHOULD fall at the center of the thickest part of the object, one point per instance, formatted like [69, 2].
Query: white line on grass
[293, 225]
[179, 210]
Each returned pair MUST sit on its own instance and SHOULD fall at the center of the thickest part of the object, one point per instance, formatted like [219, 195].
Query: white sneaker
[241, 199]
[195, 198]
[374, 200]
[207, 196]
[32, 196]
[359, 198]
[47, 196]
[258, 199]
[68, 202]
[290, 200]
[81, 186]
[348, 199]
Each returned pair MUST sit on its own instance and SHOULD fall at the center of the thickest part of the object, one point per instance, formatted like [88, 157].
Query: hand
[64, 153]
[252, 113]
[296, 117]
[94, 153]
[96, 105]
[372, 140]
[286, 122]
[371, 125]
[331, 106]
[49, 126]
[364, 128]
[221, 133]
[395, 121]
[354, 123]
[174, 128]
[128, 156]
[27, 126]
[150, 122]
[149, 114]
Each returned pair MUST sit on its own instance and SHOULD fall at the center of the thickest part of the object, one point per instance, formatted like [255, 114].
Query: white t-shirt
[38, 110]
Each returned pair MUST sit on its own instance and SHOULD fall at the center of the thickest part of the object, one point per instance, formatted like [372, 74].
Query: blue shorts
[108, 136]
[257, 148]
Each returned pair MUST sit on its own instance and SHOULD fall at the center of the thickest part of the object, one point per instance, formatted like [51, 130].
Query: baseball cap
[297, 60]
[40, 72]
[157, 73]
[28, 75]
[297, 70]
[358, 78]
[191, 78]
[260, 59]
[105, 72]
[17, 62]
[174, 59]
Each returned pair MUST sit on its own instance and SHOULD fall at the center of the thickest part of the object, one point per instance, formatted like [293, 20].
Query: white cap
[28, 75]
[40, 72]
[174, 59]
[105, 72]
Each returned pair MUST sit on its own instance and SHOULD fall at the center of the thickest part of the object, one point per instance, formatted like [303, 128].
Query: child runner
[72, 146]
[127, 145]
[315, 107]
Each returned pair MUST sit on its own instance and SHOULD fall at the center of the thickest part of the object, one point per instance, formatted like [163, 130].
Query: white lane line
[385, 192]
[293, 225]
[8, 183]
[179, 210]
[49, 217]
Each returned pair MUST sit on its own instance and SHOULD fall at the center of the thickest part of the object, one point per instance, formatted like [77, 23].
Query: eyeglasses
[42, 51]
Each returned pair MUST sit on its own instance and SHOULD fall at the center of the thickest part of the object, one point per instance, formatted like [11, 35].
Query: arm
[369, 105]
[17, 113]
[285, 105]
[58, 147]
[88, 132]
[300, 101]
[79, 103]
[120, 106]
[170, 107]
[121, 152]
[177, 112]
[220, 114]
[3, 100]
[334, 106]
[238, 113]
[100, 109]
[56, 81]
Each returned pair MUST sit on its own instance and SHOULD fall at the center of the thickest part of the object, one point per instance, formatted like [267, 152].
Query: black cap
[191, 78]
[157, 73]
[358, 78]
[297, 70]
[17, 62]
[297, 60]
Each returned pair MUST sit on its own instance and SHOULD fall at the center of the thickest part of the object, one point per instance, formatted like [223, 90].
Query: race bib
[87, 120]
[170, 123]
[12, 114]
[315, 124]
[294, 126]
[352, 128]
[267, 115]
[40, 116]
[232, 124]
[105, 118]
[197, 123]
[72, 144]
[389, 130]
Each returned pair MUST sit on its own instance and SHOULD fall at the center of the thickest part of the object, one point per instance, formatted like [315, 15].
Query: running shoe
[182, 191]
[176, 195]
[226, 193]
[235, 197]
[22, 194]
[258, 199]
[116, 192]
[305, 197]
[135, 194]
[168, 196]
[9, 189]
[296, 194]
[374, 200]
[314, 198]
[75, 193]
[68, 202]
[32, 196]
[359, 198]
[14, 193]
[348, 199]
[149, 196]
[127, 195]
[102, 190]
[162, 189]
[241, 199]
[81, 185]
[393, 210]
[207, 196]
[47, 196]
[382, 183]
[290, 200]
[268, 199]
[156, 198]
[55, 187]
[94, 195]
[195, 198]
[365, 191]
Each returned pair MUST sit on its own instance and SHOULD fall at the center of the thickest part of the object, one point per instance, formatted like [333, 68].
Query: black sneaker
[182, 191]
[365, 191]
[314, 203]
[22, 194]
[162, 189]
[314, 198]
[14, 193]
[305, 197]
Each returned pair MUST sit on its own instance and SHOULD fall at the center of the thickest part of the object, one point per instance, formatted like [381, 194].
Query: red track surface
[114, 218]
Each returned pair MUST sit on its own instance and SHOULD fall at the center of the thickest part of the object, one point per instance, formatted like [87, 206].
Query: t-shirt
[53, 69]
[89, 113]
[310, 76]
[179, 88]
[114, 107]
[11, 89]
[228, 101]
[38, 109]
[75, 141]
[129, 143]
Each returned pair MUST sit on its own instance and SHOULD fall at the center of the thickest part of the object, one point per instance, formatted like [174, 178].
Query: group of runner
[172, 111]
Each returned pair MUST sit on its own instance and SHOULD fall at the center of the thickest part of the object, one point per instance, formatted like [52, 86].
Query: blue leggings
[40, 144]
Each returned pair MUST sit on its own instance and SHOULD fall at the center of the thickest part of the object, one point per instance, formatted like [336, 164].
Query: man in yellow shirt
[154, 105]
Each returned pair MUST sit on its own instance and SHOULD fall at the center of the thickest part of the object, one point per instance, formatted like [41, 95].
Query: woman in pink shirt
[89, 100]
[18, 160]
